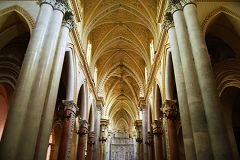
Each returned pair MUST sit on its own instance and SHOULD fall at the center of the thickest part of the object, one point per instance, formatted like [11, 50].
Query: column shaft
[157, 138]
[196, 108]
[189, 148]
[217, 130]
[91, 141]
[82, 139]
[48, 112]
[19, 103]
[97, 132]
[144, 131]
[68, 128]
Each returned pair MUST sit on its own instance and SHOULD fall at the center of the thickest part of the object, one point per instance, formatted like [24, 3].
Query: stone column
[33, 117]
[103, 137]
[139, 140]
[91, 142]
[68, 128]
[217, 130]
[195, 103]
[143, 108]
[82, 139]
[149, 143]
[19, 103]
[157, 138]
[96, 150]
[170, 113]
[48, 112]
[188, 141]
[108, 151]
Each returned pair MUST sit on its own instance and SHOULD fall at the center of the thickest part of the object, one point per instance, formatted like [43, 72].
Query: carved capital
[60, 6]
[176, 6]
[186, 2]
[142, 105]
[138, 125]
[83, 127]
[50, 2]
[170, 110]
[149, 140]
[99, 105]
[91, 138]
[68, 20]
[168, 20]
[139, 140]
[157, 128]
[102, 139]
[70, 105]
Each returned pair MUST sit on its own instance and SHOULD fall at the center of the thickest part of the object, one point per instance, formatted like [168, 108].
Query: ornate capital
[176, 6]
[138, 125]
[157, 127]
[168, 20]
[99, 105]
[139, 140]
[70, 105]
[83, 127]
[142, 105]
[186, 2]
[60, 6]
[91, 138]
[68, 20]
[104, 123]
[149, 140]
[102, 139]
[50, 2]
[169, 109]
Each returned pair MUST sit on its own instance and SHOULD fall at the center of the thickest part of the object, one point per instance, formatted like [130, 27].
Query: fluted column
[96, 149]
[68, 128]
[48, 112]
[143, 108]
[103, 138]
[195, 103]
[157, 138]
[139, 140]
[170, 113]
[82, 139]
[91, 142]
[188, 141]
[19, 103]
[217, 130]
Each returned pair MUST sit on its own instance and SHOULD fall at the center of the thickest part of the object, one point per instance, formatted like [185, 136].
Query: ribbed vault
[120, 33]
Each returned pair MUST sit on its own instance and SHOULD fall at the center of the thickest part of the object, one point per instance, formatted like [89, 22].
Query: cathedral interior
[119, 80]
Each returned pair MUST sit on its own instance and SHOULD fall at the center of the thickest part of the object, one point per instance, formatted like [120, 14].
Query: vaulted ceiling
[120, 32]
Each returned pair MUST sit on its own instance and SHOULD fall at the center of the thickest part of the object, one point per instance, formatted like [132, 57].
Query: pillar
[82, 139]
[96, 150]
[217, 130]
[195, 103]
[150, 145]
[68, 128]
[169, 114]
[91, 142]
[188, 141]
[48, 112]
[108, 150]
[103, 137]
[144, 110]
[19, 103]
[139, 140]
[157, 139]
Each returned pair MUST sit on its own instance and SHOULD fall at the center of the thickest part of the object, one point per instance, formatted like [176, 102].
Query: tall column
[157, 138]
[188, 141]
[103, 137]
[19, 103]
[217, 130]
[143, 108]
[91, 142]
[33, 117]
[139, 140]
[195, 103]
[108, 151]
[170, 113]
[96, 151]
[68, 128]
[48, 112]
